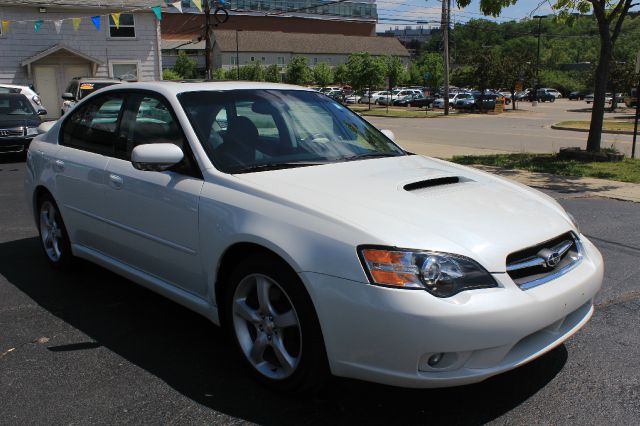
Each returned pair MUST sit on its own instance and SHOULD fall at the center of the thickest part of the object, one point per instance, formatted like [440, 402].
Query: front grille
[12, 132]
[544, 262]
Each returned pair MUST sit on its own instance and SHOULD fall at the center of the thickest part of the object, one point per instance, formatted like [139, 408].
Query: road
[527, 130]
[89, 347]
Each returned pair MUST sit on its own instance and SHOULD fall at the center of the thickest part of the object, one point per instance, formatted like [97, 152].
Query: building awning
[57, 48]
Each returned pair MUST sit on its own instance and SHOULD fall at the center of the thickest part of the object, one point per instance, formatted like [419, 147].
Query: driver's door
[153, 216]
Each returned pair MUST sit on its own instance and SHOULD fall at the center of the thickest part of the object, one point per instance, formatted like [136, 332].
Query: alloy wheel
[50, 231]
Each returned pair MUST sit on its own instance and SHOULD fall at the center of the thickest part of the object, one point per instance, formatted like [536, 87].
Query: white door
[46, 81]
[71, 71]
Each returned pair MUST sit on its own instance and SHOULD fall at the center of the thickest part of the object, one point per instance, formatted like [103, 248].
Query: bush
[169, 74]
[185, 66]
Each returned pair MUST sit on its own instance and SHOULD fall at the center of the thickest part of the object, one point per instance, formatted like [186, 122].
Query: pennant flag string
[76, 23]
[5, 26]
[96, 22]
[158, 11]
[37, 25]
[198, 4]
[58, 25]
[177, 5]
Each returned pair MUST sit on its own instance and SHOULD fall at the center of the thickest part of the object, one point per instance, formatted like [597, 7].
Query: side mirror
[44, 127]
[67, 96]
[42, 112]
[388, 133]
[156, 156]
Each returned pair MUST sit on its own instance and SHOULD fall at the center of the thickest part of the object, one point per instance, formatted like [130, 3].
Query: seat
[240, 143]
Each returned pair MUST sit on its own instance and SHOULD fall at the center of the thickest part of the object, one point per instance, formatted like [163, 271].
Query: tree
[185, 66]
[298, 72]
[515, 64]
[253, 71]
[364, 71]
[610, 15]
[272, 73]
[341, 74]
[394, 70]
[218, 74]
[322, 74]
[429, 64]
[621, 78]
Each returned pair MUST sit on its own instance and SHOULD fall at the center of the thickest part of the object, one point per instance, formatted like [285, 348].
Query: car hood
[407, 202]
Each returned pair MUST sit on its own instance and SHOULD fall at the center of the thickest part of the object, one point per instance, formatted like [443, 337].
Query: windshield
[88, 88]
[15, 105]
[252, 130]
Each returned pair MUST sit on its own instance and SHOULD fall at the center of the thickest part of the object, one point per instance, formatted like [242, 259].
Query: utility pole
[208, 47]
[537, 85]
[444, 26]
[238, 54]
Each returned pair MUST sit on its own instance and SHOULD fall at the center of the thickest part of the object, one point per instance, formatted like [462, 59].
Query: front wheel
[54, 238]
[273, 322]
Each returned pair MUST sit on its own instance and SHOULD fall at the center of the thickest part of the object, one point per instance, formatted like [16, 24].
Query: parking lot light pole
[238, 54]
[537, 85]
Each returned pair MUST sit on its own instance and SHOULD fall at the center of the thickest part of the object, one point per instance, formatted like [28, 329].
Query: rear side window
[94, 126]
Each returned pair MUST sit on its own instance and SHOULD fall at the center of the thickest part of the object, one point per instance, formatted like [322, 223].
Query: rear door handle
[58, 166]
[115, 181]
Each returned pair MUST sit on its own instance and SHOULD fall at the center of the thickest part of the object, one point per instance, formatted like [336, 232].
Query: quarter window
[93, 127]
[126, 29]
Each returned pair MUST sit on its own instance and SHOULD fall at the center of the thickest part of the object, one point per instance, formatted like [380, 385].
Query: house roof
[92, 4]
[56, 48]
[301, 43]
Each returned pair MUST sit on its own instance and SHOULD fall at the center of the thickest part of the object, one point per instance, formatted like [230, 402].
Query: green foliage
[428, 63]
[322, 74]
[169, 74]
[341, 74]
[185, 66]
[298, 72]
[252, 72]
[364, 70]
[231, 74]
[394, 70]
[272, 73]
[218, 74]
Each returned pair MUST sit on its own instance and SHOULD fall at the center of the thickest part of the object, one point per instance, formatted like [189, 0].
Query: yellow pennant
[76, 23]
[5, 26]
[116, 19]
[198, 4]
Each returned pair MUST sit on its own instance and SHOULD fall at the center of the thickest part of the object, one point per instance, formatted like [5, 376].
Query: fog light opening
[435, 359]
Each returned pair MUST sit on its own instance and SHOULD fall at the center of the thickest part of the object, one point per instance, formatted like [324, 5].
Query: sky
[392, 13]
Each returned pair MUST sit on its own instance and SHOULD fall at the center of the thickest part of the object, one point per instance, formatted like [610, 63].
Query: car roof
[96, 80]
[13, 95]
[173, 88]
[17, 86]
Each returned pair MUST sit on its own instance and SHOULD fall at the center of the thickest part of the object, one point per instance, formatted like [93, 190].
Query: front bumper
[14, 145]
[388, 335]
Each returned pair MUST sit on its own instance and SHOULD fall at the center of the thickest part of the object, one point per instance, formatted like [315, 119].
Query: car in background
[608, 98]
[577, 95]
[375, 96]
[417, 100]
[453, 97]
[397, 95]
[477, 102]
[553, 92]
[351, 99]
[19, 122]
[31, 94]
[631, 100]
[318, 243]
[81, 87]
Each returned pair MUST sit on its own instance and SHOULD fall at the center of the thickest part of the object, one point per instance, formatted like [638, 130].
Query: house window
[280, 60]
[125, 30]
[262, 59]
[253, 58]
[315, 61]
[233, 60]
[125, 70]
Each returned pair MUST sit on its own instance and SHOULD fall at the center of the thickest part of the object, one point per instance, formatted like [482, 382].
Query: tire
[552, 99]
[54, 239]
[289, 356]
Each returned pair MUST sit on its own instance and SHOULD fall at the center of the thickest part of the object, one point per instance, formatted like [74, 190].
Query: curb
[577, 129]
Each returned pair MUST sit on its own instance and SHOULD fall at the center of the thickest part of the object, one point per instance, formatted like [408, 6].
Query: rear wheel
[273, 322]
[54, 238]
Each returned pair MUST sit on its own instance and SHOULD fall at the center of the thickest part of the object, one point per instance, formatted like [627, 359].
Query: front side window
[13, 106]
[126, 27]
[253, 130]
[94, 126]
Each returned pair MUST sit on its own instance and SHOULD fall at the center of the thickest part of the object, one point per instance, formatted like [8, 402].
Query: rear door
[153, 216]
[87, 140]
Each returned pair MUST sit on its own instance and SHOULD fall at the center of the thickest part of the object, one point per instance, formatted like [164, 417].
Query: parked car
[608, 97]
[375, 96]
[416, 100]
[397, 95]
[631, 100]
[477, 102]
[351, 99]
[80, 87]
[31, 94]
[439, 103]
[19, 122]
[315, 242]
[542, 95]
[577, 95]
[553, 92]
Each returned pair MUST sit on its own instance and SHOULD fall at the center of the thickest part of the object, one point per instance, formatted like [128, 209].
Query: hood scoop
[429, 183]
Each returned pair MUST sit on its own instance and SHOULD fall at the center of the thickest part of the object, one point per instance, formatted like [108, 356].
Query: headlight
[37, 100]
[441, 274]
[32, 131]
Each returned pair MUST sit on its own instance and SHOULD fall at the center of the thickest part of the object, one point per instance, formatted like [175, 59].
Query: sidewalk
[571, 185]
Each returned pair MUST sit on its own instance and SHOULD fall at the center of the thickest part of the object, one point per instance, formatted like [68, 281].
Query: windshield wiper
[369, 155]
[277, 166]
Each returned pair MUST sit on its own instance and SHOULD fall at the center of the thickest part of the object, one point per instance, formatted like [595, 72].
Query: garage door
[46, 82]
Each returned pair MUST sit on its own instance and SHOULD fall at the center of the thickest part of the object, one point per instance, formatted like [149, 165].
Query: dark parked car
[18, 122]
[417, 100]
[477, 102]
[577, 95]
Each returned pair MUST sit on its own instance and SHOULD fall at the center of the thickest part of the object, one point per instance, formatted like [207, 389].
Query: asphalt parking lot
[90, 347]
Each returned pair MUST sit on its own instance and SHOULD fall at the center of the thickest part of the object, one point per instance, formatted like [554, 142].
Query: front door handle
[58, 166]
[115, 181]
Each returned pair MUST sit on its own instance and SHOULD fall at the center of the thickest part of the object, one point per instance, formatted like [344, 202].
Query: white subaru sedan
[314, 239]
